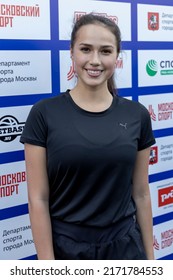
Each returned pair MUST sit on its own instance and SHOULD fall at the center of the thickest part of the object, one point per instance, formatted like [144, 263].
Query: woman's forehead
[95, 32]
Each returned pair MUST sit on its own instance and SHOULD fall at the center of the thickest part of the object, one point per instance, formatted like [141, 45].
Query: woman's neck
[94, 100]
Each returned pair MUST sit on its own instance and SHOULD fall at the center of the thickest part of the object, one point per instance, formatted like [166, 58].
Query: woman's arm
[141, 196]
[38, 196]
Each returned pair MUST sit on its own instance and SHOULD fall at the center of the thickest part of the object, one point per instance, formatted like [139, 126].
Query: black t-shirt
[90, 156]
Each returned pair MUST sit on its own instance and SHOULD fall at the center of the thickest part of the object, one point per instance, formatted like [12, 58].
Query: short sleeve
[35, 129]
[146, 136]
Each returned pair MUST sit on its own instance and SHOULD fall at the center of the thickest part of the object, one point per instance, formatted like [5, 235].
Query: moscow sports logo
[152, 67]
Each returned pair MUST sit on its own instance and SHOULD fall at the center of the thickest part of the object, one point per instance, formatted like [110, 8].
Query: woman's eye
[106, 51]
[85, 49]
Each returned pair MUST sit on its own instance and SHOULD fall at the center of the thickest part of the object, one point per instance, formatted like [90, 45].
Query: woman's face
[94, 55]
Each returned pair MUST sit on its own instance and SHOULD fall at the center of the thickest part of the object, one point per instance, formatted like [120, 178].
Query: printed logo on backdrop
[156, 245]
[153, 21]
[162, 67]
[166, 238]
[163, 239]
[119, 62]
[8, 13]
[162, 197]
[165, 196]
[14, 16]
[161, 156]
[166, 21]
[10, 128]
[152, 67]
[153, 155]
[160, 107]
[78, 15]
[155, 67]
[71, 73]
[152, 113]
[13, 189]
[12, 121]
[159, 20]
[164, 112]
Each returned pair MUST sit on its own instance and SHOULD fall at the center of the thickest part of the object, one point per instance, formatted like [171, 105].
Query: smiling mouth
[94, 73]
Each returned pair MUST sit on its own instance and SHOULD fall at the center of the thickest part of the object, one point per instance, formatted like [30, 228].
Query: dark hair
[106, 22]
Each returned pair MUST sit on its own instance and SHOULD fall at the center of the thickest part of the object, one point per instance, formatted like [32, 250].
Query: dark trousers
[121, 241]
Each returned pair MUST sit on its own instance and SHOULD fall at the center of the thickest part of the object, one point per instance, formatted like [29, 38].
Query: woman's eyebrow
[90, 45]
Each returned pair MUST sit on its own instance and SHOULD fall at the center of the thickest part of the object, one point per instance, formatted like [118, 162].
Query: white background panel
[34, 68]
[111, 9]
[16, 240]
[163, 20]
[21, 19]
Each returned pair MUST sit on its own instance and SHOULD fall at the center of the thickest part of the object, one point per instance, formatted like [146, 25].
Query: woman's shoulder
[49, 102]
[132, 104]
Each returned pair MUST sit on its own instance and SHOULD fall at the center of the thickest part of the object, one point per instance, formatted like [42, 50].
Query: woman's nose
[95, 59]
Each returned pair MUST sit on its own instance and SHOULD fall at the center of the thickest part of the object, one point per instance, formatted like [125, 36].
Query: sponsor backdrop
[35, 64]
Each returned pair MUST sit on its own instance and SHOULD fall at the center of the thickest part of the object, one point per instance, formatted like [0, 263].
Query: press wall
[35, 64]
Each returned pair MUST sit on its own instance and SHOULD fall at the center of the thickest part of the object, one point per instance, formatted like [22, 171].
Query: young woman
[87, 153]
